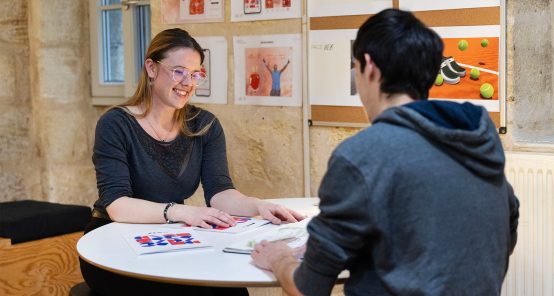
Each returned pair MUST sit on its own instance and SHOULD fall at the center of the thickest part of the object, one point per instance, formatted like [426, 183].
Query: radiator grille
[531, 271]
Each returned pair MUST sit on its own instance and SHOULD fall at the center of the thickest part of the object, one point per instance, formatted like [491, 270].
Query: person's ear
[371, 69]
[151, 68]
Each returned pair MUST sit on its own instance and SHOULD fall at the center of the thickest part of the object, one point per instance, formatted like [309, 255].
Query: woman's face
[178, 64]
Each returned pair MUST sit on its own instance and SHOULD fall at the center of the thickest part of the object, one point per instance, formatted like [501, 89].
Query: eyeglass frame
[190, 78]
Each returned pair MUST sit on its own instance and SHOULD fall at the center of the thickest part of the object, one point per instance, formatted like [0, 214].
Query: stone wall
[264, 144]
[60, 92]
[530, 85]
[19, 151]
[46, 124]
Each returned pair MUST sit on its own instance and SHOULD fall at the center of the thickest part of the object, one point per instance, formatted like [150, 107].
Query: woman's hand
[277, 213]
[200, 216]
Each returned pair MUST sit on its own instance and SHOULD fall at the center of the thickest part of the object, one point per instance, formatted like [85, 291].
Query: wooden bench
[42, 260]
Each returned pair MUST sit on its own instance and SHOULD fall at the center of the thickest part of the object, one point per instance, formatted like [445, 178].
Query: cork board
[442, 20]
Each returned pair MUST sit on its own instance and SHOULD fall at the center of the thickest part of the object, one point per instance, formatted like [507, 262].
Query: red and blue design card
[243, 224]
[164, 241]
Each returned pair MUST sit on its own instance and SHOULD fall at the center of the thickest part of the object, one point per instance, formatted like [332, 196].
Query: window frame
[104, 94]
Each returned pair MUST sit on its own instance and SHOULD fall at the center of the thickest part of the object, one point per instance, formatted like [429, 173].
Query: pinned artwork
[268, 70]
[192, 11]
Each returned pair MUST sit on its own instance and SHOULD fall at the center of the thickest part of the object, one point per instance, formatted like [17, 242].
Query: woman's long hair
[162, 43]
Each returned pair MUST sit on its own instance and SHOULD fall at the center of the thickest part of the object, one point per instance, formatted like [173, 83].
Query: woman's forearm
[133, 210]
[235, 203]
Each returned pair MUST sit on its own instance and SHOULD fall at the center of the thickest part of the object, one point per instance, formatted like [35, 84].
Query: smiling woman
[152, 152]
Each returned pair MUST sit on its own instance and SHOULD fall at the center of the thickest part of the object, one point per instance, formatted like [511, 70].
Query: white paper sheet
[214, 90]
[253, 10]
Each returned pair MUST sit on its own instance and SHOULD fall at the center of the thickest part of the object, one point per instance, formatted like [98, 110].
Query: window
[119, 35]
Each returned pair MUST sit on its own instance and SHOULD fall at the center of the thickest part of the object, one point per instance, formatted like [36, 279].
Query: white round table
[106, 248]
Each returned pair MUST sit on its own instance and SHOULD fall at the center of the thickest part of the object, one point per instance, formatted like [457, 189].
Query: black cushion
[28, 220]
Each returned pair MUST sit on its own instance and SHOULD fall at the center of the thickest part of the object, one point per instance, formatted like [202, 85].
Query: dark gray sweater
[416, 204]
[129, 162]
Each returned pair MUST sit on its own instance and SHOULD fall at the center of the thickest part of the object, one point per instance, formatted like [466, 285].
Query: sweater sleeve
[339, 232]
[215, 171]
[514, 217]
[110, 159]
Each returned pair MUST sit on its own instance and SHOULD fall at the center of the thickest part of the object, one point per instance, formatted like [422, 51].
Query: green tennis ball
[439, 80]
[463, 44]
[484, 43]
[486, 90]
[474, 73]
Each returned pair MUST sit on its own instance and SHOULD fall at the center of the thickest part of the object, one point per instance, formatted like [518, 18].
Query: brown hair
[162, 43]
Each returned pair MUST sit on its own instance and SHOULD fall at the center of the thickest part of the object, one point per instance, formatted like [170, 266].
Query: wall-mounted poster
[214, 89]
[330, 57]
[473, 67]
[268, 70]
[192, 11]
[427, 5]
[323, 8]
[470, 67]
[253, 10]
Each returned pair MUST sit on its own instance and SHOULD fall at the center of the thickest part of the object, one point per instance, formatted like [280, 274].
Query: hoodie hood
[464, 131]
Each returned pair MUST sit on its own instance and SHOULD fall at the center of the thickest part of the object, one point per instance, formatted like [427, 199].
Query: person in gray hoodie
[416, 204]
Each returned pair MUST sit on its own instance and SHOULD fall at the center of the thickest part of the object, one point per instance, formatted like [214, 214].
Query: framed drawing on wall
[473, 69]
[268, 70]
[214, 89]
[192, 11]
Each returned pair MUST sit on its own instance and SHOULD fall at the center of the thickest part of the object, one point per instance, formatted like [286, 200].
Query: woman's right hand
[200, 216]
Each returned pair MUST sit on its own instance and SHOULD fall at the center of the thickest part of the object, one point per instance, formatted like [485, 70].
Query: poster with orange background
[480, 50]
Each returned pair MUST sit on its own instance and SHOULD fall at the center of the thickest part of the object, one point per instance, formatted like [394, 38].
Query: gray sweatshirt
[416, 204]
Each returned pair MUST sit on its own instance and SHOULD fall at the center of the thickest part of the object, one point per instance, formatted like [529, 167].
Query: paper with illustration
[164, 240]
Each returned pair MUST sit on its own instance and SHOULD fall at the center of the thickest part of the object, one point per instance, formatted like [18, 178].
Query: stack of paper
[294, 234]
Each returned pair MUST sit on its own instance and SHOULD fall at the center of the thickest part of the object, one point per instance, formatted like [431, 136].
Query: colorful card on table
[165, 241]
[243, 224]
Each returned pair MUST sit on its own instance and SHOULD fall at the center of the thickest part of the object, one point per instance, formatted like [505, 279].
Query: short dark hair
[407, 53]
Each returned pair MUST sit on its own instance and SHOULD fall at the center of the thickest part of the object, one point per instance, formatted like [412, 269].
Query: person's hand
[202, 216]
[266, 254]
[277, 213]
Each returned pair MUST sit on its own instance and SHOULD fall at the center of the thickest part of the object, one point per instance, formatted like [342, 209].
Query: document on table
[164, 240]
[294, 234]
[242, 224]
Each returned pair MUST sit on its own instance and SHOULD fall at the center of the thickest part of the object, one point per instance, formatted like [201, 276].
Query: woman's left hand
[277, 213]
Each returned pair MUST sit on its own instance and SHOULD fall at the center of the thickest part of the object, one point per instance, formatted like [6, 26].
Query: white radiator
[531, 271]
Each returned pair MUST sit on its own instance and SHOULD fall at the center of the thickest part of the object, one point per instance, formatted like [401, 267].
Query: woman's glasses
[182, 74]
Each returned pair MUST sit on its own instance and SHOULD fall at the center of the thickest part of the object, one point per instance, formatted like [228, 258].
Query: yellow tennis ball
[474, 73]
[439, 80]
[486, 90]
[463, 44]
[484, 43]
